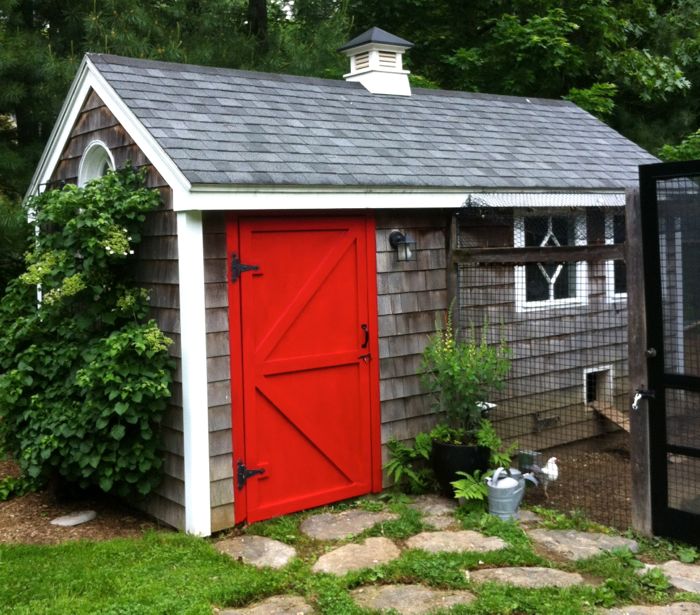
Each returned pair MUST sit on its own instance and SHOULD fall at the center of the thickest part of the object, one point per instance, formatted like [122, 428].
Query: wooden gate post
[638, 377]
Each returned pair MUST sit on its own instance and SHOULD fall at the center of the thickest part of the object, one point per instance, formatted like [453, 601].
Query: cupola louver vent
[362, 60]
[387, 59]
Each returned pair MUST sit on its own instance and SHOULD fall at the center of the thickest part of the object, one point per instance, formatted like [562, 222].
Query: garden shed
[274, 260]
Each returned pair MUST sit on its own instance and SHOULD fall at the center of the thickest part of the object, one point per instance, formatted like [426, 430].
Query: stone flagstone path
[416, 599]
[526, 576]
[453, 542]
[437, 511]
[257, 551]
[575, 545]
[685, 577]
[678, 608]
[277, 605]
[336, 526]
[408, 599]
[369, 553]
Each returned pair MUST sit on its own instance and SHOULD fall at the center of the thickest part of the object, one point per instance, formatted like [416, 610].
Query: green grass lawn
[174, 573]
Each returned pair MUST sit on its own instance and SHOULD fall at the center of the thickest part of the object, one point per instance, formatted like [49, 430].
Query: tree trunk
[257, 19]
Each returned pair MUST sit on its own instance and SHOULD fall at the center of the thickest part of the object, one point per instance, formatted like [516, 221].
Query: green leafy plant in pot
[462, 375]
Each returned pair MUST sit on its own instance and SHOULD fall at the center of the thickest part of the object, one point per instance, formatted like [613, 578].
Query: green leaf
[117, 432]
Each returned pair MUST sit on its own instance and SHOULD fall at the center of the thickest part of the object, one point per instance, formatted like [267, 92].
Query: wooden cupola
[376, 62]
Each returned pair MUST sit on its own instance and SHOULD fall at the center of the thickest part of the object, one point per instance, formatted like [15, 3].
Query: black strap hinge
[237, 267]
[243, 473]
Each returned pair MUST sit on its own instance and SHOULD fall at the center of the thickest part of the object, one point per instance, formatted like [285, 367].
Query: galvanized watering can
[506, 490]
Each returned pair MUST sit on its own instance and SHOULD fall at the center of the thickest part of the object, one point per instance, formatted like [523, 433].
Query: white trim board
[195, 404]
[275, 198]
[271, 200]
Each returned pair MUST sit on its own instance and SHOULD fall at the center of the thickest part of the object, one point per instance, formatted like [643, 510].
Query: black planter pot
[448, 459]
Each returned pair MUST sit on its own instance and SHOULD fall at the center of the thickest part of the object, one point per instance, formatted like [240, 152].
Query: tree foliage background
[634, 63]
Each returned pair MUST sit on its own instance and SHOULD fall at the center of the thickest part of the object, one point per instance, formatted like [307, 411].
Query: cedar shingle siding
[218, 371]
[410, 297]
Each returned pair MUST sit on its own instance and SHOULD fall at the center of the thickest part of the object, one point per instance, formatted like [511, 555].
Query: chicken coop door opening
[598, 386]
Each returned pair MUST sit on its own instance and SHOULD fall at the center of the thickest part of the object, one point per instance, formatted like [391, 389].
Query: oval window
[96, 161]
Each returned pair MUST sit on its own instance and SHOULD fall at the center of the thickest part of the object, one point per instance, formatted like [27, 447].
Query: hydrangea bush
[84, 374]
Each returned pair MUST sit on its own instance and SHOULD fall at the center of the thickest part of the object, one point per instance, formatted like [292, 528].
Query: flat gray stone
[408, 599]
[685, 577]
[335, 526]
[526, 576]
[372, 552]
[75, 518]
[575, 545]
[677, 608]
[440, 522]
[433, 505]
[276, 605]
[527, 516]
[257, 551]
[451, 542]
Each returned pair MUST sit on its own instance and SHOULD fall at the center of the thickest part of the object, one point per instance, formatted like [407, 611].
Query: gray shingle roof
[223, 126]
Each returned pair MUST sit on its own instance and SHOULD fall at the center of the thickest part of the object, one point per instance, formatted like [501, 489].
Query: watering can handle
[497, 476]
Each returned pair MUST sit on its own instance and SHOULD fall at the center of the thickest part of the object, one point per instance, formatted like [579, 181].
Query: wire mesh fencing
[550, 283]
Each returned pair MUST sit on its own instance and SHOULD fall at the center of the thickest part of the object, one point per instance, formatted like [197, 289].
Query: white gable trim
[89, 77]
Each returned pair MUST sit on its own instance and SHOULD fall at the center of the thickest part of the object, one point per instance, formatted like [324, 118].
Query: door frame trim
[236, 347]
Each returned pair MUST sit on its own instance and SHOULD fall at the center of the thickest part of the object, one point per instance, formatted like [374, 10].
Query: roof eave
[260, 197]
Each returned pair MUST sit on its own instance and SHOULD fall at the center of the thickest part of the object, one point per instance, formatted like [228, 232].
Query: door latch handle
[365, 328]
[365, 357]
[642, 394]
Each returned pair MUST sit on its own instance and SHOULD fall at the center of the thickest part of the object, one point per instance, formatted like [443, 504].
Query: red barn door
[304, 362]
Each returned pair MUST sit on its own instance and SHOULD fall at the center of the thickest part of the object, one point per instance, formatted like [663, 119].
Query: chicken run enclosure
[549, 282]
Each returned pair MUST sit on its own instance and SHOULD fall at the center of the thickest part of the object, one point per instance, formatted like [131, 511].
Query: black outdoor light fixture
[405, 247]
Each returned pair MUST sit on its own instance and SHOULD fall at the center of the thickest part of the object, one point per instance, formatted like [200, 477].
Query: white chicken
[548, 474]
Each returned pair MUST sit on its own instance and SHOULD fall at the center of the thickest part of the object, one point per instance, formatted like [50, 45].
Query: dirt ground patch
[26, 519]
[595, 483]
